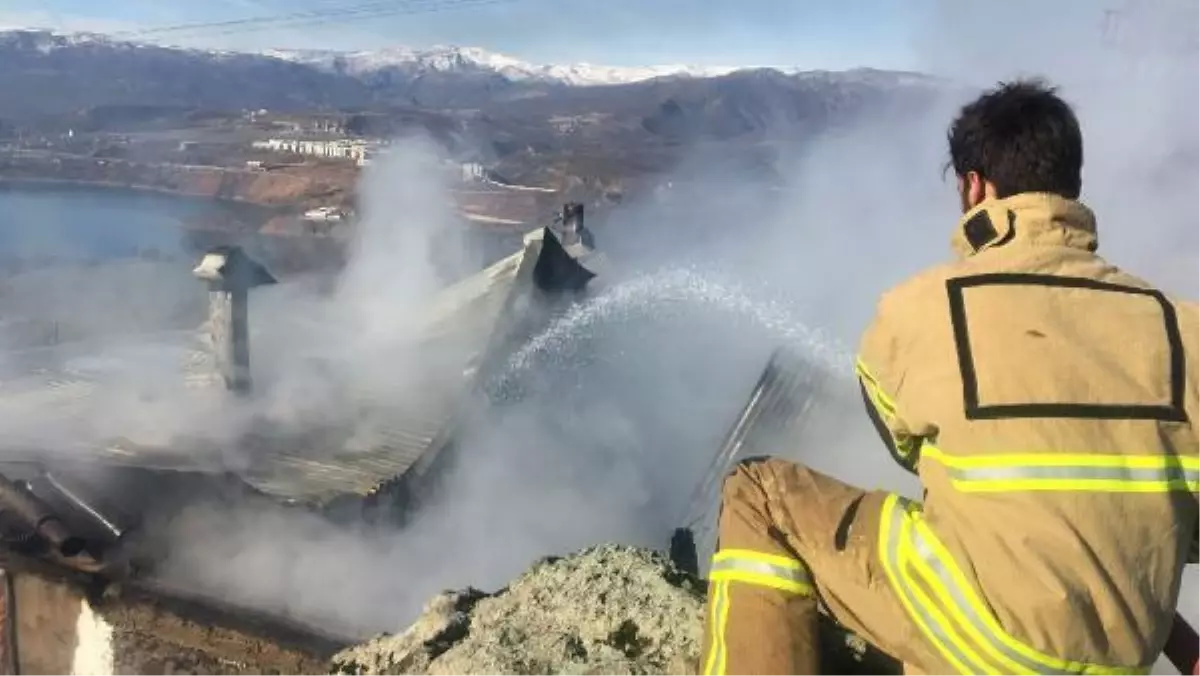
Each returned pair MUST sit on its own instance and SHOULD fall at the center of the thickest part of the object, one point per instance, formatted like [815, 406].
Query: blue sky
[808, 33]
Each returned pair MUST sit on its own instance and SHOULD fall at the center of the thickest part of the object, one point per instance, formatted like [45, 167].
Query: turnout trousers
[791, 543]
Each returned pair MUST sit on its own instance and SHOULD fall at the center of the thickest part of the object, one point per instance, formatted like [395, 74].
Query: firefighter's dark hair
[1022, 137]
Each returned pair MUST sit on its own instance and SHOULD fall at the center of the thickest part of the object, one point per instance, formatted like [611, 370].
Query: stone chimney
[230, 275]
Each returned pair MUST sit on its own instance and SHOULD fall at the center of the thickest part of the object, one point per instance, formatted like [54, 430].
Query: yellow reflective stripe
[882, 401]
[781, 561]
[905, 446]
[718, 620]
[761, 569]
[927, 546]
[906, 538]
[1052, 459]
[928, 620]
[1070, 472]
[933, 574]
[762, 580]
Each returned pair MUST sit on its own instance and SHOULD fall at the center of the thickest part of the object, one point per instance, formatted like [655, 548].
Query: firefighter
[1046, 400]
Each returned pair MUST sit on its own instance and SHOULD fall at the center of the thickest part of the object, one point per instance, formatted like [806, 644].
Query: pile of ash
[609, 609]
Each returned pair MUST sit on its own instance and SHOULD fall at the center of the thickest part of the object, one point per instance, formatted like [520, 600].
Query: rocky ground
[605, 610]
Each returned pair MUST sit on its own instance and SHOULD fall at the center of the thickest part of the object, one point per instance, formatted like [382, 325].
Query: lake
[39, 222]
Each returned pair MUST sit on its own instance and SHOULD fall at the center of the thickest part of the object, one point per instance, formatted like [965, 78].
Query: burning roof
[473, 324]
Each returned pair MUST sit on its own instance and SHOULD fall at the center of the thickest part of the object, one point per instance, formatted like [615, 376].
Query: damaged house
[81, 524]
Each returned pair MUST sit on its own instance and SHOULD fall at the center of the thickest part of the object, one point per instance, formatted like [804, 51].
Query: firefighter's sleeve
[880, 369]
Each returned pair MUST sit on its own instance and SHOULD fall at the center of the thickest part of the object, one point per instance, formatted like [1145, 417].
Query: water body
[77, 223]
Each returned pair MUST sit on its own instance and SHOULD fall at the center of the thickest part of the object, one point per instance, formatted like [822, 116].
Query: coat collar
[1029, 219]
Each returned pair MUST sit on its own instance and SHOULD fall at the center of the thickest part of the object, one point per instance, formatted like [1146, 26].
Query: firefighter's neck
[973, 190]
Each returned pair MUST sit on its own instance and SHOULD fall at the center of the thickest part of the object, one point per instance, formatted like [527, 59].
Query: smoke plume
[628, 396]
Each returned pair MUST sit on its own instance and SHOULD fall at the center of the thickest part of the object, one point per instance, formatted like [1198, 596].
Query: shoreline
[82, 185]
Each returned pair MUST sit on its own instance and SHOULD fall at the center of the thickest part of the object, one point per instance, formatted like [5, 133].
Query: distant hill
[551, 125]
[52, 74]
[47, 74]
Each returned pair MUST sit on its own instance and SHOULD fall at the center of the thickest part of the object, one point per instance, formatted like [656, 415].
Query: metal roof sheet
[355, 456]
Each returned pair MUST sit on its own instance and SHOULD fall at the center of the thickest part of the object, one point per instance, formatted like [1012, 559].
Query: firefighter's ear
[975, 190]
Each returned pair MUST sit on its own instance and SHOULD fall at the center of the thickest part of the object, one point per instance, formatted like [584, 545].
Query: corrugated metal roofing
[353, 457]
[779, 406]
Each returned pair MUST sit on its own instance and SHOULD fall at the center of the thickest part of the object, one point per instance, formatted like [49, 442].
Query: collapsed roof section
[466, 334]
[469, 326]
[782, 402]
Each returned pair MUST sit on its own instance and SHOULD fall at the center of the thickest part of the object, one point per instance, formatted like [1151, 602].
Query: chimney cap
[230, 268]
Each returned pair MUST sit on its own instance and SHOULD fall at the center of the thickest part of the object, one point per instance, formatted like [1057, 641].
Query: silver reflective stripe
[945, 580]
[895, 563]
[1146, 474]
[747, 565]
[922, 548]
[716, 657]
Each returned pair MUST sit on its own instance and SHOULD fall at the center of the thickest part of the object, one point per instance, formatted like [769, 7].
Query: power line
[251, 20]
[336, 14]
[274, 18]
[445, 5]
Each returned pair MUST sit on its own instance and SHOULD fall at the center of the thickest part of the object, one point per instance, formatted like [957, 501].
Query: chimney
[231, 274]
[568, 252]
[571, 223]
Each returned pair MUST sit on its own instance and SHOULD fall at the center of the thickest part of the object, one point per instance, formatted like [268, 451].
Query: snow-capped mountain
[56, 73]
[371, 65]
[63, 74]
[449, 59]
[437, 59]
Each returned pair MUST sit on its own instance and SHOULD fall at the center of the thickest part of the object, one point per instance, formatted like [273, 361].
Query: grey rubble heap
[610, 609]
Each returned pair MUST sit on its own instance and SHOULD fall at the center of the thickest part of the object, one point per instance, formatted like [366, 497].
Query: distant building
[473, 172]
[324, 214]
[346, 149]
[372, 153]
[328, 126]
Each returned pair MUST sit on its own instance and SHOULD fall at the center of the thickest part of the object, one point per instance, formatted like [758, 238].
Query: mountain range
[535, 122]
[48, 73]
[452, 59]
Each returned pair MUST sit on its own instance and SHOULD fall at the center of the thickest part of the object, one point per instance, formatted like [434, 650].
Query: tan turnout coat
[1048, 401]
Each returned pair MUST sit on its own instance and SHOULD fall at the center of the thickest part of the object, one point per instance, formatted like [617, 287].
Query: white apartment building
[473, 172]
[346, 149]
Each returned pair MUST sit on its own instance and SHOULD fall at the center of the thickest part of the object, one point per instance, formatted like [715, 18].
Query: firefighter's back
[1061, 479]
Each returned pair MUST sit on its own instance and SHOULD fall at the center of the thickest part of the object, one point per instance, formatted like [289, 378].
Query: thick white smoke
[629, 398]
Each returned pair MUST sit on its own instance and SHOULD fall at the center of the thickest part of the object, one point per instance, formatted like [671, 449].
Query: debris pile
[606, 610]
[609, 609]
